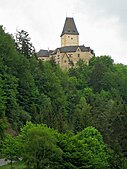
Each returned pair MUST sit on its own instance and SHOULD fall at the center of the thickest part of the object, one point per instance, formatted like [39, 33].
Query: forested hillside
[69, 101]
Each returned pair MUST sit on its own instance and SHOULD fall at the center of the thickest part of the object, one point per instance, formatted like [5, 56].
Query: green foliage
[82, 74]
[39, 146]
[23, 44]
[86, 95]
[100, 65]
[84, 150]
[43, 147]
[49, 84]
[82, 115]
[43, 152]
[16, 165]
[11, 149]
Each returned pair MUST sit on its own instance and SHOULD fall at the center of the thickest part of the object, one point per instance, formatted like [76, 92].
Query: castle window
[71, 38]
[78, 55]
[65, 61]
[70, 55]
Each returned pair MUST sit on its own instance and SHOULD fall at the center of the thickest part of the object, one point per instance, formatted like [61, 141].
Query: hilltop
[93, 94]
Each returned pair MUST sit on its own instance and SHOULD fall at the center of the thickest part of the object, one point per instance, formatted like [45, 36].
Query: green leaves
[11, 149]
[23, 44]
[84, 150]
[86, 95]
[82, 115]
[39, 146]
[43, 147]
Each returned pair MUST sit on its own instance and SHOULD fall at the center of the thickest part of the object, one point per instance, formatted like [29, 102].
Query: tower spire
[70, 35]
[69, 27]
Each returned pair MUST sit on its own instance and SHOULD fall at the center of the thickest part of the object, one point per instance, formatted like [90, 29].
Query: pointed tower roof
[69, 27]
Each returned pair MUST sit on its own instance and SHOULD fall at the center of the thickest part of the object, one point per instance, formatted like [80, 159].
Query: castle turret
[70, 35]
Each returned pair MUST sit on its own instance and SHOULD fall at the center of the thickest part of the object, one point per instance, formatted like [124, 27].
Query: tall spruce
[23, 44]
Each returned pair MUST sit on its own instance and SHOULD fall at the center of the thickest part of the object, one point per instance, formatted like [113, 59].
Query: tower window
[78, 55]
[71, 38]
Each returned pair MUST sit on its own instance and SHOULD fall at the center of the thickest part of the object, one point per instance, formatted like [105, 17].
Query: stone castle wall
[69, 40]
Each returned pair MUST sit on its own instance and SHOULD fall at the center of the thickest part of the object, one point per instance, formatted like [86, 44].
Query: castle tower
[70, 35]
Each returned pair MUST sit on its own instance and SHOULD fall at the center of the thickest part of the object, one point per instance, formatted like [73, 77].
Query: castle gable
[78, 49]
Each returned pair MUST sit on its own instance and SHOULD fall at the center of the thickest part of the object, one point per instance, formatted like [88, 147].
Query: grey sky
[102, 24]
[110, 8]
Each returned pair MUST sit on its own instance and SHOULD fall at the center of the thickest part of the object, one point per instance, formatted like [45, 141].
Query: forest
[61, 119]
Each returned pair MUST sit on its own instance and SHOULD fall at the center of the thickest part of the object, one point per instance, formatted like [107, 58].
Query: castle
[70, 51]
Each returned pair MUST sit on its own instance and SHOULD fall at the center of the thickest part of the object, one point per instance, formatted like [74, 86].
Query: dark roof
[69, 27]
[67, 49]
[44, 53]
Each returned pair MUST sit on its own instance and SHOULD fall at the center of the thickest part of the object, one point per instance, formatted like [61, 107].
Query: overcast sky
[102, 24]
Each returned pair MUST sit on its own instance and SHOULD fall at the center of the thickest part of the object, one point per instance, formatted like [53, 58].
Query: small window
[68, 36]
[65, 61]
[71, 38]
[78, 55]
[70, 55]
